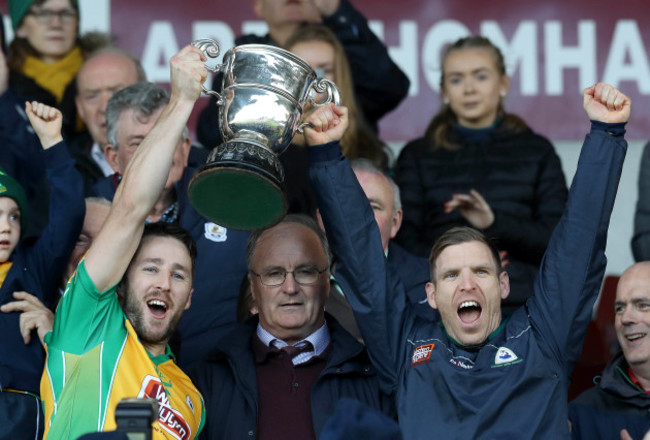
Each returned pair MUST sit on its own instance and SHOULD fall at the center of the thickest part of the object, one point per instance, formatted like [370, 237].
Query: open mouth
[4, 244]
[157, 307]
[634, 336]
[469, 312]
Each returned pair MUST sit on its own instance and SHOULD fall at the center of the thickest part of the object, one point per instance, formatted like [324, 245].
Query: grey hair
[301, 219]
[143, 97]
[363, 165]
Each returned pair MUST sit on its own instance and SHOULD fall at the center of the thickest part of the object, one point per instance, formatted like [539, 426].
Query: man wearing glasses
[280, 374]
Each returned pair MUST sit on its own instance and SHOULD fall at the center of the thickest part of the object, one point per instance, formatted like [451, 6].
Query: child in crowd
[34, 266]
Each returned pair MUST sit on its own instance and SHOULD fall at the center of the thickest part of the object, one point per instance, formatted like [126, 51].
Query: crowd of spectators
[443, 293]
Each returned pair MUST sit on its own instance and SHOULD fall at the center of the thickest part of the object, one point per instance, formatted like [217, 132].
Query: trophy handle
[211, 50]
[322, 86]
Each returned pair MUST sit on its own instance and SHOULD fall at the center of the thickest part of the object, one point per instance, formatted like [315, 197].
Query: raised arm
[146, 174]
[355, 240]
[573, 266]
[48, 257]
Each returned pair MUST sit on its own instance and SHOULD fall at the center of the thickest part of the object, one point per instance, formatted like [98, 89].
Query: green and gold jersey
[94, 360]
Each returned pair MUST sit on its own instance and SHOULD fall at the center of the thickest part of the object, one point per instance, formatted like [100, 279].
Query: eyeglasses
[303, 276]
[46, 16]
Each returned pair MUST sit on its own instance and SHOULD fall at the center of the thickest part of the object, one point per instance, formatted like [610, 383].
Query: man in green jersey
[119, 310]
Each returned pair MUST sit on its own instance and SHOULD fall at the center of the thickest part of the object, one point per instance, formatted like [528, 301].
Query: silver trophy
[264, 92]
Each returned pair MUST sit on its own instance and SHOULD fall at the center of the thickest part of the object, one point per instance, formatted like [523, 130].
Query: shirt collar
[319, 339]
[98, 156]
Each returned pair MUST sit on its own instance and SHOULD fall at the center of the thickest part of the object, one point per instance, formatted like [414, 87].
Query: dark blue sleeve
[67, 209]
[377, 298]
[573, 266]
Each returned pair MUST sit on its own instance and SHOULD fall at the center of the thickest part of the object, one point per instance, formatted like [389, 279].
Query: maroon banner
[553, 49]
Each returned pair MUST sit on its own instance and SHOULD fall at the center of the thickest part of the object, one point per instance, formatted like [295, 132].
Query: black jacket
[518, 174]
[228, 382]
[613, 404]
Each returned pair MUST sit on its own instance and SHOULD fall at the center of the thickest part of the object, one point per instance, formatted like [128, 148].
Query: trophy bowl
[264, 92]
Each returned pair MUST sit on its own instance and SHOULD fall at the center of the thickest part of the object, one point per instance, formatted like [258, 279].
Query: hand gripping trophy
[264, 92]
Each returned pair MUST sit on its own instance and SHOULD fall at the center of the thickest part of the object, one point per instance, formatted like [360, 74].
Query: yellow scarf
[54, 77]
[4, 269]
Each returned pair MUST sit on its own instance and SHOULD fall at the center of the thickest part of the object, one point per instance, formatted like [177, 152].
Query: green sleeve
[86, 317]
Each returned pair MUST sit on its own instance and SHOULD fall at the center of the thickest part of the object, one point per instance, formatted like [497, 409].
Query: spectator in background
[385, 201]
[379, 84]
[621, 398]
[46, 53]
[97, 209]
[319, 46]
[412, 271]
[221, 262]
[35, 267]
[43, 59]
[641, 237]
[34, 315]
[21, 148]
[102, 74]
[479, 166]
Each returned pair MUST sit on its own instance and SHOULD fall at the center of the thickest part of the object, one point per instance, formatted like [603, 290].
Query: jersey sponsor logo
[505, 356]
[421, 354]
[461, 364]
[214, 232]
[169, 419]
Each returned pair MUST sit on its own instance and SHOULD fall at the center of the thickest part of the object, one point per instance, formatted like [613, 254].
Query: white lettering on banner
[520, 51]
[626, 58]
[95, 15]
[407, 53]
[160, 46]
[558, 57]
[439, 35]
[627, 42]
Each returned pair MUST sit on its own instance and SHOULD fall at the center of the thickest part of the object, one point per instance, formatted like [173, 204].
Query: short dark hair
[459, 235]
[301, 219]
[172, 230]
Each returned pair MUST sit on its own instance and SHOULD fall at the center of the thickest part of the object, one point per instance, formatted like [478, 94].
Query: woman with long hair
[482, 167]
[320, 48]
[47, 52]
[318, 45]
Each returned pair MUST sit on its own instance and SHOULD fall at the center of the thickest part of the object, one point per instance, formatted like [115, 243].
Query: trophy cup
[263, 93]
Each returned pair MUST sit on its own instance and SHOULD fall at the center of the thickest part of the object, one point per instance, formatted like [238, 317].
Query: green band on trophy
[260, 109]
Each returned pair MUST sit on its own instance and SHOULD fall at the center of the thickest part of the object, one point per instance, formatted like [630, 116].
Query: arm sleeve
[66, 216]
[572, 269]
[85, 317]
[641, 237]
[379, 305]
[380, 85]
[527, 238]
